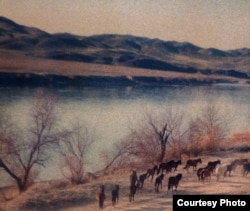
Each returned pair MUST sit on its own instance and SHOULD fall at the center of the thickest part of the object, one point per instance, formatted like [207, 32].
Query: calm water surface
[110, 112]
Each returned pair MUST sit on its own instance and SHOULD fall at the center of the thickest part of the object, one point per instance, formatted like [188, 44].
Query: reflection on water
[110, 112]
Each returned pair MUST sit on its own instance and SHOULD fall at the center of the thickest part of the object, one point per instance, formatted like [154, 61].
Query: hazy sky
[223, 24]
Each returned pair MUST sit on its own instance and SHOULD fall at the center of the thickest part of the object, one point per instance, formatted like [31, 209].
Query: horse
[132, 191]
[206, 173]
[100, 197]
[246, 169]
[165, 166]
[192, 163]
[241, 161]
[115, 195]
[158, 182]
[199, 172]
[231, 167]
[142, 178]
[221, 170]
[175, 164]
[151, 172]
[212, 165]
[174, 181]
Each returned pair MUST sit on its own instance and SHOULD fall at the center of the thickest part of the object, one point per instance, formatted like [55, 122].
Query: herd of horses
[203, 174]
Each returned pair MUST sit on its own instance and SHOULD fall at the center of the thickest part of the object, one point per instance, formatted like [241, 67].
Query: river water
[110, 112]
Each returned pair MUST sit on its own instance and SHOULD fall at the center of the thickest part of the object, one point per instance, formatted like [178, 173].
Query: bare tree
[157, 132]
[21, 155]
[73, 150]
[165, 131]
[207, 131]
[121, 155]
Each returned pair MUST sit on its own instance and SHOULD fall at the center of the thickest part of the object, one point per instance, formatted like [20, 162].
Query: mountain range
[122, 51]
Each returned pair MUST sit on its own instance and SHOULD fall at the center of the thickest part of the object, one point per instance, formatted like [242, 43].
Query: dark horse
[165, 166]
[192, 163]
[158, 182]
[142, 178]
[174, 182]
[115, 195]
[246, 169]
[232, 166]
[100, 197]
[175, 164]
[199, 173]
[132, 191]
[211, 165]
[151, 172]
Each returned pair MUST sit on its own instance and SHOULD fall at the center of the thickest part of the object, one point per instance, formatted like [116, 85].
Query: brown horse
[174, 182]
[151, 172]
[241, 161]
[165, 166]
[206, 174]
[115, 195]
[158, 182]
[232, 166]
[192, 163]
[199, 172]
[100, 197]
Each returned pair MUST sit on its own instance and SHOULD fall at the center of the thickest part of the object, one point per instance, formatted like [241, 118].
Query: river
[110, 112]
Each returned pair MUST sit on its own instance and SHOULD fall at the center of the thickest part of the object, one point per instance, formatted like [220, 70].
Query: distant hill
[123, 50]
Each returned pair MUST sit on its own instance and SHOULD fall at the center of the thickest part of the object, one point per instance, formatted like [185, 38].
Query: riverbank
[60, 195]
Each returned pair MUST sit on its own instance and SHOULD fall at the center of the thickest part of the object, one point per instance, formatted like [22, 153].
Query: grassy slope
[20, 63]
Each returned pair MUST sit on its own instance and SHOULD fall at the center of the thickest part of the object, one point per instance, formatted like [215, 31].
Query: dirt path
[72, 198]
[149, 200]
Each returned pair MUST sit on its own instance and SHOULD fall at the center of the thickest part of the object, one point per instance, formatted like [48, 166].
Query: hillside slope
[123, 50]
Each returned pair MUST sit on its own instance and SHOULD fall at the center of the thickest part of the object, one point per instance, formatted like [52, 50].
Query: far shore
[23, 67]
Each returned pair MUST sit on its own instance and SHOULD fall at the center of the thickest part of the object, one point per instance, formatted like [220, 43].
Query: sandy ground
[147, 199]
